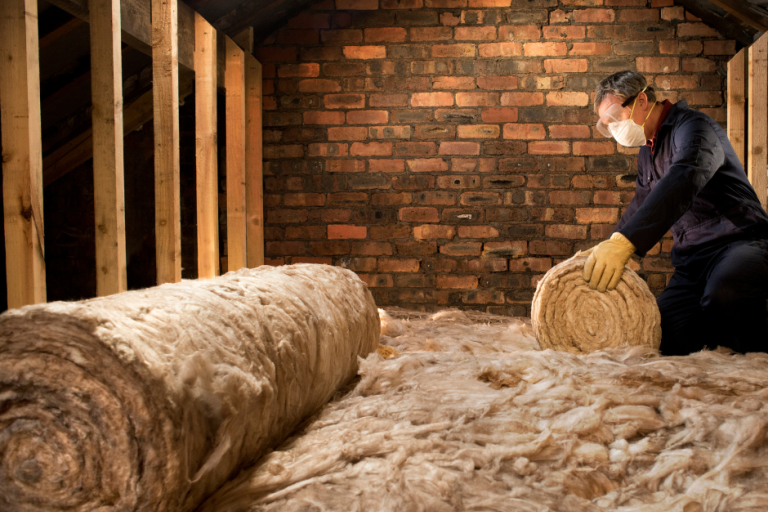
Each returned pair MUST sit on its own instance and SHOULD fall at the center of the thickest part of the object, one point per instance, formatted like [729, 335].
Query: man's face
[612, 110]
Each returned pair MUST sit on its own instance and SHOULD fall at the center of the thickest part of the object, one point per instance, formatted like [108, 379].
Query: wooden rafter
[744, 11]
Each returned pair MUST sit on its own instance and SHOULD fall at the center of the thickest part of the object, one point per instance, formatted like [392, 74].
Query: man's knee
[721, 297]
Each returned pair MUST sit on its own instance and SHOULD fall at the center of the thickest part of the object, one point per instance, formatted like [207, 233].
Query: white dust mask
[627, 132]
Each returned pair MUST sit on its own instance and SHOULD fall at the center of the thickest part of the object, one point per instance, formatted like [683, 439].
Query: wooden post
[109, 197]
[757, 166]
[234, 82]
[253, 164]
[737, 103]
[22, 152]
[206, 150]
[165, 77]
[244, 39]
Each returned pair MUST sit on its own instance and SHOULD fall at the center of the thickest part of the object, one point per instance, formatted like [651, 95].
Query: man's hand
[606, 261]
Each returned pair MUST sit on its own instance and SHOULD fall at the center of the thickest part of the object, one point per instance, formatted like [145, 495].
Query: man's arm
[698, 155]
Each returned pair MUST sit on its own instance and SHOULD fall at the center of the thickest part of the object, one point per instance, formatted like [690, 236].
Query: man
[690, 181]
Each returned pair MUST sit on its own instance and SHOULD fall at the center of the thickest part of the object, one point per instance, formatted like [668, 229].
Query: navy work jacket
[693, 184]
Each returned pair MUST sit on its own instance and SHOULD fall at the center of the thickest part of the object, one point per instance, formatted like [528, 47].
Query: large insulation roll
[567, 315]
[150, 400]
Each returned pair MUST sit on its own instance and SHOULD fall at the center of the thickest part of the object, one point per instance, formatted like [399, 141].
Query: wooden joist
[107, 100]
[744, 11]
[165, 81]
[234, 82]
[757, 166]
[737, 103]
[136, 25]
[22, 152]
[253, 164]
[206, 149]
[244, 39]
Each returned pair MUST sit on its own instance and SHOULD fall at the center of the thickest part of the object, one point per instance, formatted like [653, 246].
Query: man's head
[624, 102]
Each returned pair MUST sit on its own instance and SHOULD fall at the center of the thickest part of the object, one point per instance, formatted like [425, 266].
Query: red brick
[639, 16]
[565, 32]
[575, 197]
[709, 98]
[305, 232]
[567, 131]
[445, 4]
[567, 99]
[371, 149]
[550, 247]
[593, 148]
[398, 265]
[499, 115]
[369, 248]
[522, 99]
[286, 248]
[416, 149]
[478, 232]
[519, 33]
[326, 215]
[456, 282]
[590, 49]
[453, 82]
[461, 249]
[320, 117]
[559, 16]
[594, 16]
[453, 50]
[357, 5]
[432, 99]
[677, 81]
[286, 151]
[319, 85]
[566, 231]
[367, 117]
[433, 232]
[565, 65]
[461, 181]
[345, 166]
[328, 149]
[272, 54]
[477, 99]
[510, 49]
[680, 47]
[355, 133]
[299, 70]
[314, 53]
[385, 35]
[388, 165]
[459, 148]
[657, 64]
[475, 34]
[344, 101]
[695, 30]
[401, 4]
[541, 147]
[497, 82]
[339, 231]
[376, 280]
[530, 264]
[480, 198]
[304, 199]
[698, 65]
[431, 33]
[348, 198]
[328, 248]
[365, 52]
[392, 199]
[388, 100]
[274, 262]
[389, 132]
[544, 49]
[286, 216]
[478, 131]
[524, 131]
[343, 68]
[596, 215]
[418, 214]
[427, 165]
[673, 13]
[306, 37]
[309, 20]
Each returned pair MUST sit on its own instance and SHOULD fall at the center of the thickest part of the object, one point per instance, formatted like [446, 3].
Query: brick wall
[445, 149]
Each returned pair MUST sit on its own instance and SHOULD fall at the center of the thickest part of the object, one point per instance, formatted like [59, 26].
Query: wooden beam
[165, 82]
[22, 152]
[206, 138]
[737, 103]
[244, 39]
[136, 25]
[234, 83]
[59, 32]
[107, 114]
[253, 164]
[752, 16]
[757, 145]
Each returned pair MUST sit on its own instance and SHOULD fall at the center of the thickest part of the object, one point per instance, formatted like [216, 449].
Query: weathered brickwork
[445, 149]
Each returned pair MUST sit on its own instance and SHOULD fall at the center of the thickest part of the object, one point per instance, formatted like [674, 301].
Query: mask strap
[646, 117]
[634, 103]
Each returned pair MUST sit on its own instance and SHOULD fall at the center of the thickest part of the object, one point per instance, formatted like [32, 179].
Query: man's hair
[625, 85]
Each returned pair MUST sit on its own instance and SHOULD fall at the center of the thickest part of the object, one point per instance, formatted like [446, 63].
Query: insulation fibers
[150, 400]
[567, 315]
[472, 416]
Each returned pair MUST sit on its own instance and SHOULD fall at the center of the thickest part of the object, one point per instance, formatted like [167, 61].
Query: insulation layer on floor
[466, 413]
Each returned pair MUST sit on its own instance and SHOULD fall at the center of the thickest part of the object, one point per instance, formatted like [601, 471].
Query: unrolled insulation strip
[567, 315]
[150, 400]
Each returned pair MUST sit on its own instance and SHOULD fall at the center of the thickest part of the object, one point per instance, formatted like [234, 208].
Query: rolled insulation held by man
[150, 400]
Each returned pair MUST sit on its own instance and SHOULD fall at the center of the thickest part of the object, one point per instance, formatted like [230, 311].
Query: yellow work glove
[605, 263]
